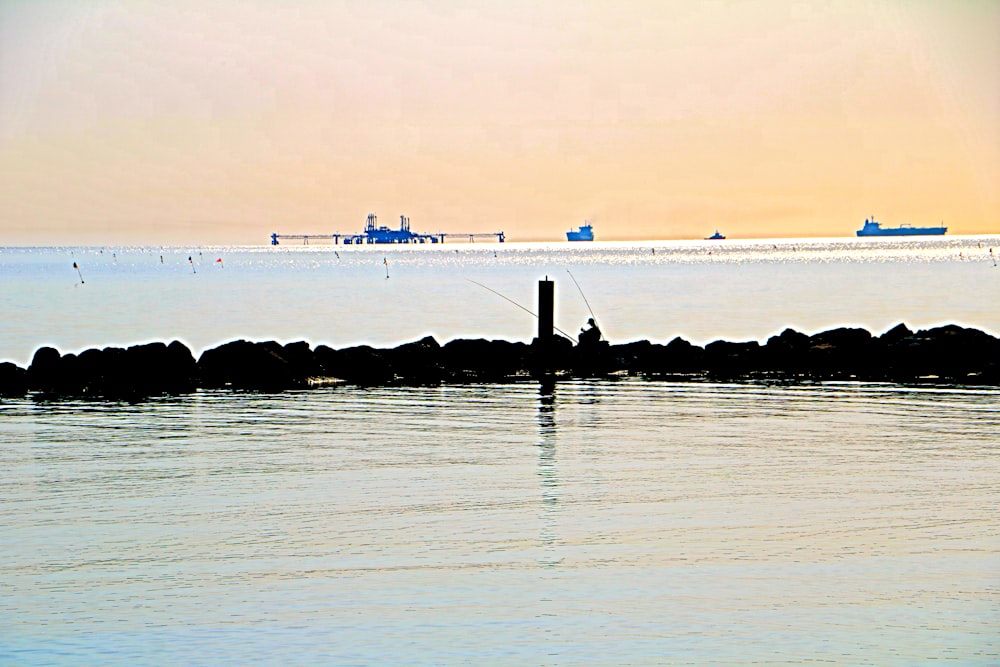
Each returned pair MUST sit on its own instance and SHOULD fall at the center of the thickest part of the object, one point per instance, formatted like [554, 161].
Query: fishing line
[584, 299]
[535, 315]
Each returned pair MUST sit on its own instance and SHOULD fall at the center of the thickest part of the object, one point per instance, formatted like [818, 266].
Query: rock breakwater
[944, 355]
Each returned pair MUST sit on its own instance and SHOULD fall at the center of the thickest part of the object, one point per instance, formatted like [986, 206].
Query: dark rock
[728, 360]
[244, 365]
[554, 354]
[362, 365]
[301, 360]
[635, 357]
[13, 380]
[786, 353]
[327, 361]
[418, 362]
[69, 376]
[895, 334]
[843, 338]
[593, 359]
[951, 353]
[156, 368]
[95, 372]
[114, 372]
[43, 372]
[678, 357]
[483, 360]
[842, 353]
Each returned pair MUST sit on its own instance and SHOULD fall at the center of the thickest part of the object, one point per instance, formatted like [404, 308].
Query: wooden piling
[546, 308]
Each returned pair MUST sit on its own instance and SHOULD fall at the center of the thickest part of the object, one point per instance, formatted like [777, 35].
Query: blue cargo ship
[873, 228]
[583, 233]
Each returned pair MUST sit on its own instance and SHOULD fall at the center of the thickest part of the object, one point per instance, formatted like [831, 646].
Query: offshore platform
[375, 233]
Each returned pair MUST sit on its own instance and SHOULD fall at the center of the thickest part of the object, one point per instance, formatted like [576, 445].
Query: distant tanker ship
[873, 228]
[584, 232]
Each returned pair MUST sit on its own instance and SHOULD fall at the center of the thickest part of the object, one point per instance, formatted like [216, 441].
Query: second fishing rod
[543, 297]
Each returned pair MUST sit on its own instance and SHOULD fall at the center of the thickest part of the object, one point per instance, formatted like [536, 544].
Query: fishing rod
[535, 315]
[585, 300]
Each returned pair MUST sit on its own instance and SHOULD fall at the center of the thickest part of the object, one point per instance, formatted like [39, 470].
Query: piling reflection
[548, 474]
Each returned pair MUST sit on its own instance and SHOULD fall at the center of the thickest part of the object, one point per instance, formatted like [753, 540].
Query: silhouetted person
[590, 336]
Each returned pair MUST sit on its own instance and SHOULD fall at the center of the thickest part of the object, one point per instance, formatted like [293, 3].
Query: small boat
[873, 228]
[715, 237]
[583, 233]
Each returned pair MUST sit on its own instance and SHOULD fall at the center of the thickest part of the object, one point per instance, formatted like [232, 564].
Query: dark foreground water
[606, 523]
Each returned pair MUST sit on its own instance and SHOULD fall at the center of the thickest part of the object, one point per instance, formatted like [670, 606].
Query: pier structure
[305, 237]
[375, 233]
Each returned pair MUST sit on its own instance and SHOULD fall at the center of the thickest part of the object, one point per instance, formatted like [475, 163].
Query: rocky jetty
[943, 355]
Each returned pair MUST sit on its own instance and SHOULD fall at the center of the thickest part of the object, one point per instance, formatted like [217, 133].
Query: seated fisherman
[590, 336]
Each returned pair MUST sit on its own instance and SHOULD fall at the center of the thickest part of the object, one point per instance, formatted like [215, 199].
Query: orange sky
[220, 122]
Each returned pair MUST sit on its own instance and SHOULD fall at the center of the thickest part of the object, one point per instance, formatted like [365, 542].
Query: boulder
[418, 362]
[361, 365]
[635, 357]
[301, 361]
[553, 355]
[952, 353]
[244, 365]
[841, 353]
[13, 380]
[43, 371]
[728, 360]
[787, 352]
[483, 360]
[895, 334]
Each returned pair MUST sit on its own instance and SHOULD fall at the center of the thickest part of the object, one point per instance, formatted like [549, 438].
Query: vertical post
[546, 306]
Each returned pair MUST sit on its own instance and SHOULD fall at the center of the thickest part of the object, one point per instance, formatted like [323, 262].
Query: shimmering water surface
[340, 296]
[607, 523]
[604, 522]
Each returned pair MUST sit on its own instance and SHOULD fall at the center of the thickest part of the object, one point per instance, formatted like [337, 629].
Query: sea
[621, 521]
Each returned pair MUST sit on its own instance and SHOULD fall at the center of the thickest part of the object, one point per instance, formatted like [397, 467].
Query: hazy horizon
[219, 123]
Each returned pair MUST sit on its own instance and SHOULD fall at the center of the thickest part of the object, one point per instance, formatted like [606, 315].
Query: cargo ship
[583, 233]
[873, 228]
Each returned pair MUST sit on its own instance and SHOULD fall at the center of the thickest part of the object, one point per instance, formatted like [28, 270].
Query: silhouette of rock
[593, 359]
[724, 359]
[483, 360]
[156, 368]
[13, 380]
[841, 353]
[244, 365]
[633, 357]
[951, 353]
[895, 334]
[361, 365]
[135, 372]
[948, 354]
[418, 362]
[44, 369]
[301, 361]
[678, 357]
[554, 354]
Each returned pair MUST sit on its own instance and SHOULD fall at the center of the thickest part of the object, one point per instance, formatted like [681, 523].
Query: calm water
[340, 296]
[626, 522]
[610, 523]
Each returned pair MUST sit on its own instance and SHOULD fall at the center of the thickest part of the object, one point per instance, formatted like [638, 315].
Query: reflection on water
[547, 472]
[588, 523]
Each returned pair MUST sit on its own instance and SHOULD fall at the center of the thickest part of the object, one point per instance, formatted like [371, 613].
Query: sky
[221, 121]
